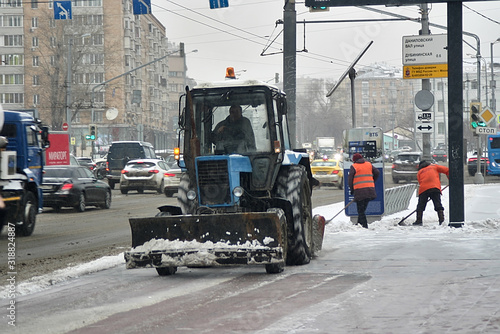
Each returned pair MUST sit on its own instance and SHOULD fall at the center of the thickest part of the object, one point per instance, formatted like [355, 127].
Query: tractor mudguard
[208, 240]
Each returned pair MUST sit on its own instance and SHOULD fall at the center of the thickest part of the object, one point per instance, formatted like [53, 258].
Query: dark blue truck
[22, 144]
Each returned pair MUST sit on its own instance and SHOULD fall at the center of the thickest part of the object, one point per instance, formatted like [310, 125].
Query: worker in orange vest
[430, 187]
[362, 177]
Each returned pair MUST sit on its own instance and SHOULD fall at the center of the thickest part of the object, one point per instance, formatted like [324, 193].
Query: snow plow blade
[207, 240]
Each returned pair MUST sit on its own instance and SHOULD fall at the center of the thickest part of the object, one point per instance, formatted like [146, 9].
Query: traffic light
[92, 132]
[475, 119]
[319, 9]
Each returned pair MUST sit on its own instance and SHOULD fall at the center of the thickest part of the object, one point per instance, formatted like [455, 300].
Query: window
[11, 79]
[11, 3]
[36, 80]
[36, 99]
[11, 98]
[36, 61]
[34, 41]
[34, 22]
[11, 60]
[11, 40]
[11, 21]
[34, 4]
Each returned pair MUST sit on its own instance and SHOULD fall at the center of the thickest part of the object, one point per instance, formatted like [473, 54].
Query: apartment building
[105, 66]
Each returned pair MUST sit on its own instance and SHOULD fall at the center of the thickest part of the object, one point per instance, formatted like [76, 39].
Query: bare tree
[79, 41]
[321, 116]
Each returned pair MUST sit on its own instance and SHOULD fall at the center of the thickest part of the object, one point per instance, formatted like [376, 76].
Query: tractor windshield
[229, 121]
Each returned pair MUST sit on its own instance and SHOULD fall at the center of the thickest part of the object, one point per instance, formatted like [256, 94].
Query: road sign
[425, 71]
[65, 127]
[487, 115]
[62, 10]
[214, 4]
[486, 131]
[141, 7]
[425, 49]
[424, 127]
[424, 117]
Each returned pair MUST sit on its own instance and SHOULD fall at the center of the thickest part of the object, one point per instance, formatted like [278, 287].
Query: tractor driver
[235, 133]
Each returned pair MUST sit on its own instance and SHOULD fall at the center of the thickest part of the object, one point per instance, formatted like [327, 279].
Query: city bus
[494, 154]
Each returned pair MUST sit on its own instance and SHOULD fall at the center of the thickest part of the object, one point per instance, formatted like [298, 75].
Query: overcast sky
[236, 36]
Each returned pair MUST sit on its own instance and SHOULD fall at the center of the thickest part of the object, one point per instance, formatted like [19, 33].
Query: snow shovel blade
[206, 240]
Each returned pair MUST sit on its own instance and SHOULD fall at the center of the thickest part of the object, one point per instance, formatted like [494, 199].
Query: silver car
[143, 174]
[172, 180]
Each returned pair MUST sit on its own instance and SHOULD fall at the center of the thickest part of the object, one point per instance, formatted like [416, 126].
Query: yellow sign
[425, 71]
[73, 141]
[487, 115]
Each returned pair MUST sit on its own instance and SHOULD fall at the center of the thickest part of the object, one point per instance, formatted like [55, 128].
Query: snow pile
[186, 246]
[178, 253]
[39, 283]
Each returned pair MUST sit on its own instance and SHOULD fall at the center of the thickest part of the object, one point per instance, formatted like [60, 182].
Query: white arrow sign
[425, 127]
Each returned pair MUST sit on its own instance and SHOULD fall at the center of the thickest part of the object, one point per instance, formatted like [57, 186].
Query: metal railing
[398, 198]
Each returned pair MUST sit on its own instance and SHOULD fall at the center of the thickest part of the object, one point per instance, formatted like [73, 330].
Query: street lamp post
[69, 82]
[493, 84]
[69, 79]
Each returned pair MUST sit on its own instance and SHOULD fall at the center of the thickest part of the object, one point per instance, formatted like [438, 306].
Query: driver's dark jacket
[237, 131]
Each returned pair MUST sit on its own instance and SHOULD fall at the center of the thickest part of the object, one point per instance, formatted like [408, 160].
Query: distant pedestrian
[362, 177]
[430, 187]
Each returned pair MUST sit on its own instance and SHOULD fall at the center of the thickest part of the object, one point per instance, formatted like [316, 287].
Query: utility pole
[426, 83]
[290, 65]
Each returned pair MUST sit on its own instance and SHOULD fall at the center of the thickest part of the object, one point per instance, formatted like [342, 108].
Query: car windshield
[324, 163]
[140, 164]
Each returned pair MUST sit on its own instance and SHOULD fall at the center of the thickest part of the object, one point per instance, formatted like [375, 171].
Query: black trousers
[434, 194]
[362, 205]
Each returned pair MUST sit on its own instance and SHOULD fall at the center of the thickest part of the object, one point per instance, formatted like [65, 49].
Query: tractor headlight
[191, 195]
[238, 191]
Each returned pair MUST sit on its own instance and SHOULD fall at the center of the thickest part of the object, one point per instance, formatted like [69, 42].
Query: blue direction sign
[219, 4]
[141, 7]
[62, 10]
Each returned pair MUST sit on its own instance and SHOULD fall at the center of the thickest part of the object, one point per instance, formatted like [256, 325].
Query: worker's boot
[418, 222]
[441, 216]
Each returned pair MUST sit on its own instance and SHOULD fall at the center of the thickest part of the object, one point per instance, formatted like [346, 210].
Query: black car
[440, 155]
[472, 164]
[405, 166]
[74, 186]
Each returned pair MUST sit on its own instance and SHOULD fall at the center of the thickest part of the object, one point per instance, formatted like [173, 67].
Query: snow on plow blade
[207, 240]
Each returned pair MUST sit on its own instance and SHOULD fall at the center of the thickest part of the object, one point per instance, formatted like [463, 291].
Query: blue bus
[494, 154]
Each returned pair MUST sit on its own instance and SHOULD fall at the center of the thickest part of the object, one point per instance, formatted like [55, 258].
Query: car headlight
[238, 191]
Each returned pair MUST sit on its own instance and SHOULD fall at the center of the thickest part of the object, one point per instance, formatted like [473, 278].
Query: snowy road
[387, 279]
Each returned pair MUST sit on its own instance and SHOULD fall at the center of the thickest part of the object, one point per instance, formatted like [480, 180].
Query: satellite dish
[111, 113]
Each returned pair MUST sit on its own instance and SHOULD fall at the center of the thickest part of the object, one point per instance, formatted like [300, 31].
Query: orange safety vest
[364, 176]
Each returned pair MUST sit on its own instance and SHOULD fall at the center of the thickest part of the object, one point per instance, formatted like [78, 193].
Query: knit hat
[356, 157]
[423, 164]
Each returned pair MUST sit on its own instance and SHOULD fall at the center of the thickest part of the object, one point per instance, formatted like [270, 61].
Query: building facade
[105, 66]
